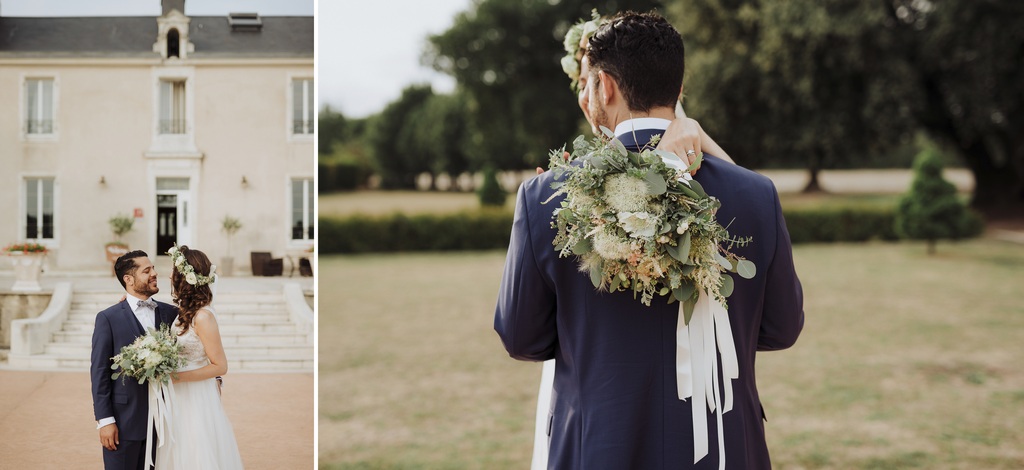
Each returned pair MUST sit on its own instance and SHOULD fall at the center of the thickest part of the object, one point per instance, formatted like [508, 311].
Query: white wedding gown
[201, 437]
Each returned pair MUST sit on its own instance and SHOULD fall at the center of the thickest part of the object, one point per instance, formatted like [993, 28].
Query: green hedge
[476, 230]
[489, 229]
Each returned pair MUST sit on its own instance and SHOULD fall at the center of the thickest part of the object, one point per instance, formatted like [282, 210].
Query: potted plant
[119, 224]
[229, 225]
[27, 259]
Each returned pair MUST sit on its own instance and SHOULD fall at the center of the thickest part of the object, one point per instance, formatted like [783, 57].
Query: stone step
[225, 329]
[108, 298]
[256, 337]
[279, 314]
[243, 364]
[82, 351]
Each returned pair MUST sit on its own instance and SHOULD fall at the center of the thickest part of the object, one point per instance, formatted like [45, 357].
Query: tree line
[815, 84]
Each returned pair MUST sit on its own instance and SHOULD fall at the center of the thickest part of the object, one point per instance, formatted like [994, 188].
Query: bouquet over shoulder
[636, 223]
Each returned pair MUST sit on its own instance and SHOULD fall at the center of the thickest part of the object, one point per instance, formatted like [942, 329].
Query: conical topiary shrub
[930, 210]
[490, 192]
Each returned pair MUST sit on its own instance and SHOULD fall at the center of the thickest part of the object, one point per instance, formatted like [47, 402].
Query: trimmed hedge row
[489, 229]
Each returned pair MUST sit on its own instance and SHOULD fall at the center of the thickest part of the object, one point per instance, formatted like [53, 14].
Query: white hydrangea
[610, 246]
[154, 359]
[625, 193]
[638, 224]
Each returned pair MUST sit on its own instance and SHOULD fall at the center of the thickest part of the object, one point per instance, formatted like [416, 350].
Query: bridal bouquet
[152, 357]
[638, 224]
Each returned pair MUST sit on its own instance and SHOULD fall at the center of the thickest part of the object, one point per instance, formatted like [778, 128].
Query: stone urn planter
[27, 260]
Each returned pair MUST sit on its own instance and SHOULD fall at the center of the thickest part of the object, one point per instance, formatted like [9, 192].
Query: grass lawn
[906, 361]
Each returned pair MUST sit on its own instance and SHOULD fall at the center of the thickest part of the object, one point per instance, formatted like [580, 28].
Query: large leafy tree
[828, 82]
[391, 137]
[505, 54]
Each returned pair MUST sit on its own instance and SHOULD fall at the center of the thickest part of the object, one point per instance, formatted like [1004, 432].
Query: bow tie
[148, 303]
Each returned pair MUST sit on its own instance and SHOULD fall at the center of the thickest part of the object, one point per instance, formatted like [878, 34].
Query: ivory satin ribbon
[697, 368]
[160, 397]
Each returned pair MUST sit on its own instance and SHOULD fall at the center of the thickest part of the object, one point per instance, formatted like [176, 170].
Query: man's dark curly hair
[644, 53]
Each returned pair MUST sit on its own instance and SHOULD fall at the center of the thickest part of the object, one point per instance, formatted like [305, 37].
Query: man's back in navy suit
[615, 403]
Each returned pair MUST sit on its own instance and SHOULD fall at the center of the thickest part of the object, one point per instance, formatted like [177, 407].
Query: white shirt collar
[630, 125]
[133, 302]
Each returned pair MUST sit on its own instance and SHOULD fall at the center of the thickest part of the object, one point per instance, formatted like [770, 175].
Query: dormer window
[173, 43]
[245, 22]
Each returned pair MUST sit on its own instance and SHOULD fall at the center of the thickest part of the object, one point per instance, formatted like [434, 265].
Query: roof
[134, 36]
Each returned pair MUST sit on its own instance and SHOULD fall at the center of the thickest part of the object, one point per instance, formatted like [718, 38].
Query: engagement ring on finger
[690, 153]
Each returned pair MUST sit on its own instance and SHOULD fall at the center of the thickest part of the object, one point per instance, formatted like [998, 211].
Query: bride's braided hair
[190, 298]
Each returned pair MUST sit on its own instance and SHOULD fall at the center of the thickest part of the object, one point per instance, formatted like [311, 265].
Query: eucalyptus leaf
[723, 262]
[746, 269]
[697, 188]
[686, 269]
[696, 162]
[608, 132]
[619, 147]
[616, 282]
[681, 252]
[684, 291]
[727, 285]
[581, 248]
[596, 275]
[688, 306]
[656, 185]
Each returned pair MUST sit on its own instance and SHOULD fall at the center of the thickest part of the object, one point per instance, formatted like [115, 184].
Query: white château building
[175, 121]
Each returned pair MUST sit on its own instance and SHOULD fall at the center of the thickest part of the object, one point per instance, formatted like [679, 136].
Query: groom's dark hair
[644, 53]
[125, 264]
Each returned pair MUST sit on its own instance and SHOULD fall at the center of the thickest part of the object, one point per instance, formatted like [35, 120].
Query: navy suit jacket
[615, 404]
[124, 399]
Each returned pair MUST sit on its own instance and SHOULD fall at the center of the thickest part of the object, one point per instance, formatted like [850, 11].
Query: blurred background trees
[815, 84]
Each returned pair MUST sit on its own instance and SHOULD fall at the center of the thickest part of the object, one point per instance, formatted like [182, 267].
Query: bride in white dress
[200, 437]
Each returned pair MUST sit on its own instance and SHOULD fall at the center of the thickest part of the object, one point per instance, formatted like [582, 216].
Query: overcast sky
[369, 50]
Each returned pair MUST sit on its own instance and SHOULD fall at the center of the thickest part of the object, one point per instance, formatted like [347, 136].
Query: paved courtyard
[46, 420]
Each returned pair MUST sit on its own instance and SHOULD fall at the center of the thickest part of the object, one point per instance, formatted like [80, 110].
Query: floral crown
[573, 57]
[186, 270]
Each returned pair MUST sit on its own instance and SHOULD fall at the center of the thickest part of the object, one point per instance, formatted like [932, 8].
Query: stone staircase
[256, 330]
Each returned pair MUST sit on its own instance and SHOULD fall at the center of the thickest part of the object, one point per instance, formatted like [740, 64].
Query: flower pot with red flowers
[27, 259]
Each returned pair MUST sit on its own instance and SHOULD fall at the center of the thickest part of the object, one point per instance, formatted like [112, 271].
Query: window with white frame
[172, 107]
[302, 106]
[39, 106]
[302, 209]
[39, 208]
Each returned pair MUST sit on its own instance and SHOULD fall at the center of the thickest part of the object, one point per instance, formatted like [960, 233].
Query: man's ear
[609, 87]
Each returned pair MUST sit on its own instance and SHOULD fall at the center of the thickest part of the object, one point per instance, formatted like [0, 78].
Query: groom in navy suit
[615, 403]
[122, 406]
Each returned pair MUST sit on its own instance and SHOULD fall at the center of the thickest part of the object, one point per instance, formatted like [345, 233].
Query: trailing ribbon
[697, 368]
[161, 396]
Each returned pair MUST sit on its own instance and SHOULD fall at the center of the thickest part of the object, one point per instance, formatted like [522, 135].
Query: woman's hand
[685, 138]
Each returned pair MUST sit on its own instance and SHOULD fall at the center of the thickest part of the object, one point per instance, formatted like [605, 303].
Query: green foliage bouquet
[154, 357]
[636, 223]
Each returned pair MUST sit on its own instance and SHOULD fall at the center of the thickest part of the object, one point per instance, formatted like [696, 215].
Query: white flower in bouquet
[638, 224]
[625, 193]
[609, 246]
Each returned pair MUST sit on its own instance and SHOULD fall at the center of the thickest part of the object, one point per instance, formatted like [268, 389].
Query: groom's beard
[146, 288]
[599, 117]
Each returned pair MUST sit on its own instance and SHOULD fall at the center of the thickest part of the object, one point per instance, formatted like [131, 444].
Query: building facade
[174, 121]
